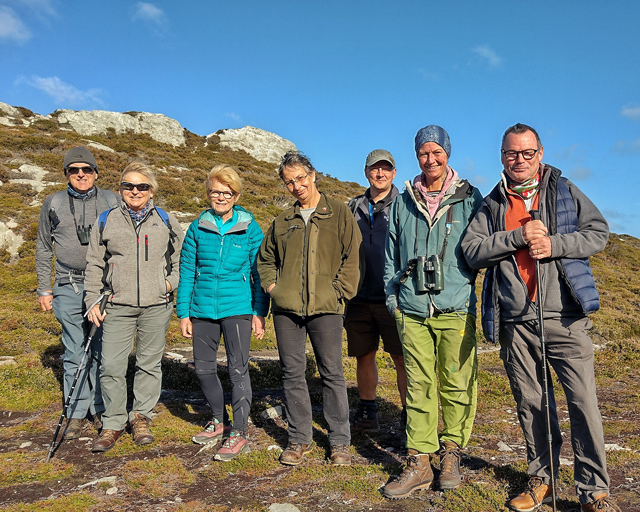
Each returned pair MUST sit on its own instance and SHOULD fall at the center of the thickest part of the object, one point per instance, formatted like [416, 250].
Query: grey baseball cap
[378, 155]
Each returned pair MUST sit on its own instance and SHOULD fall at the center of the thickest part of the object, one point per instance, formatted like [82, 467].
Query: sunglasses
[142, 187]
[76, 170]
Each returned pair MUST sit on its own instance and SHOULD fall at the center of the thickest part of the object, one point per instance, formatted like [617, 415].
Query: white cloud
[580, 173]
[630, 112]
[236, 117]
[41, 8]
[432, 76]
[11, 26]
[626, 147]
[149, 13]
[62, 92]
[488, 54]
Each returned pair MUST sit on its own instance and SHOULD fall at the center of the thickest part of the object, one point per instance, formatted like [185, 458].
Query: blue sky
[340, 78]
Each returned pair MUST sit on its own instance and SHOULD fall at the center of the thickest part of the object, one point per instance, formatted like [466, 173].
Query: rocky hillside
[32, 148]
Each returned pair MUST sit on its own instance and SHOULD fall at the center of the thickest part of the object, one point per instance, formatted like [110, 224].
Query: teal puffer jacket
[413, 233]
[220, 277]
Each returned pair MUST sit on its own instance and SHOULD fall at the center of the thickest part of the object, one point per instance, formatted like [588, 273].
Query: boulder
[94, 122]
[260, 144]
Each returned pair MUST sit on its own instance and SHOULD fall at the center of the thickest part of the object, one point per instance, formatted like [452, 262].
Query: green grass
[19, 468]
[79, 502]
[157, 477]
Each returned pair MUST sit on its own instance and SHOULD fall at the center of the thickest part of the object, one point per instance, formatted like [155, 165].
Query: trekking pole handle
[535, 214]
[103, 304]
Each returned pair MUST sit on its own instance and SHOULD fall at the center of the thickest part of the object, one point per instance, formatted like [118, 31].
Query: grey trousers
[570, 354]
[149, 328]
[68, 306]
[325, 333]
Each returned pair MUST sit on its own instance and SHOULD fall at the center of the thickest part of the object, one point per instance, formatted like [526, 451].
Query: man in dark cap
[66, 219]
[506, 239]
[367, 319]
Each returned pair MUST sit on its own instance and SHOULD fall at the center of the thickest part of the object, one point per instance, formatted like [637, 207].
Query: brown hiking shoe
[73, 429]
[340, 455]
[449, 466]
[294, 453]
[602, 502]
[140, 430]
[416, 475]
[536, 493]
[107, 440]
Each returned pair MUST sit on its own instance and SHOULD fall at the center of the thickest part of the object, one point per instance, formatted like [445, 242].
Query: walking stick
[87, 347]
[535, 215]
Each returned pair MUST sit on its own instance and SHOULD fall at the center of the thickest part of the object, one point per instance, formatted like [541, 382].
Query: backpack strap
[54, 206]
[102, 220]
[108, 198]
[172, 236]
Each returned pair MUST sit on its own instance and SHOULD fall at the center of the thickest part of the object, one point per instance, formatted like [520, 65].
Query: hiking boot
[294, 453]
[97, 421]
[602, 502]
[213, 432]
[532, 498]
[140, 430]
[416, 475]
[449, 466]
[73, 429]
[233, 446]
[365, 420]
[340, 455]
[107, 440]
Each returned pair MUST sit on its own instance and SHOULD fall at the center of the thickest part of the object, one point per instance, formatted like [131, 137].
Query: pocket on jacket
[326, 295]
[162, 282]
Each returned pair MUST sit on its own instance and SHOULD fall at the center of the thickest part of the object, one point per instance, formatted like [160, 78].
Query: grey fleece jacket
[486, 246]
[134, 257]
[69, 253]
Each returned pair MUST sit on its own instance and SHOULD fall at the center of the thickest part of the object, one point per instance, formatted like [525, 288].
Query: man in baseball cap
[367, 319]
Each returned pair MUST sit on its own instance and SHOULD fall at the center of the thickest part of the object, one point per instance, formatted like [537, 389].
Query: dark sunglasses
[76, 170]
[142, 187]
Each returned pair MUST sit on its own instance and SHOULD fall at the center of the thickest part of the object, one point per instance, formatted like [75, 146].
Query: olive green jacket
[316, 267]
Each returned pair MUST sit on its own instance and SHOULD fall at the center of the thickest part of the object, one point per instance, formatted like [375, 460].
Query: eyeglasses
[218, 193]
[299, 180]
[142, 187]
[85, 170]
[385, 170]
[527, 154]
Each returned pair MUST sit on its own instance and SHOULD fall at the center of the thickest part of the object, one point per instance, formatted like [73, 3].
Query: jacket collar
[322, 210]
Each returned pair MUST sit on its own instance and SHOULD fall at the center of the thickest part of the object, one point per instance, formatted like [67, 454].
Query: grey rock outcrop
[93, 122]
[260, 144]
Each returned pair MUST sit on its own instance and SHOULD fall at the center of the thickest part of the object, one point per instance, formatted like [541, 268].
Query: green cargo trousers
[442, 348]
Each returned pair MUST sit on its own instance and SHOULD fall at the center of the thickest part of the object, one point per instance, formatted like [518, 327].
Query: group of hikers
[390, 265]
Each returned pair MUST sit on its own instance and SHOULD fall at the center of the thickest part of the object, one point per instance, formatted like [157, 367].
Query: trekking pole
[535, 215]
[87, 347]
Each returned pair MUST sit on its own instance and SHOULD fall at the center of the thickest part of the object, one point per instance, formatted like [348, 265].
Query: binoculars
[429, 273]
[84, 234]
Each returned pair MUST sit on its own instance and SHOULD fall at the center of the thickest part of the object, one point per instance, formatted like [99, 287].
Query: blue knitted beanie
[433, 133]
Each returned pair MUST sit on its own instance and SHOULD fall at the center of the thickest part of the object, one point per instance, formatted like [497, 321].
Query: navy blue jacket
[374, 236]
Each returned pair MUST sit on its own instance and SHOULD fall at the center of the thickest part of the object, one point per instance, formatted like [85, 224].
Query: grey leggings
[237, 338]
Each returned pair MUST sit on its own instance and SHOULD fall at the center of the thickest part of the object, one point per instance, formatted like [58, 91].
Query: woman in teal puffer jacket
[219, 295]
